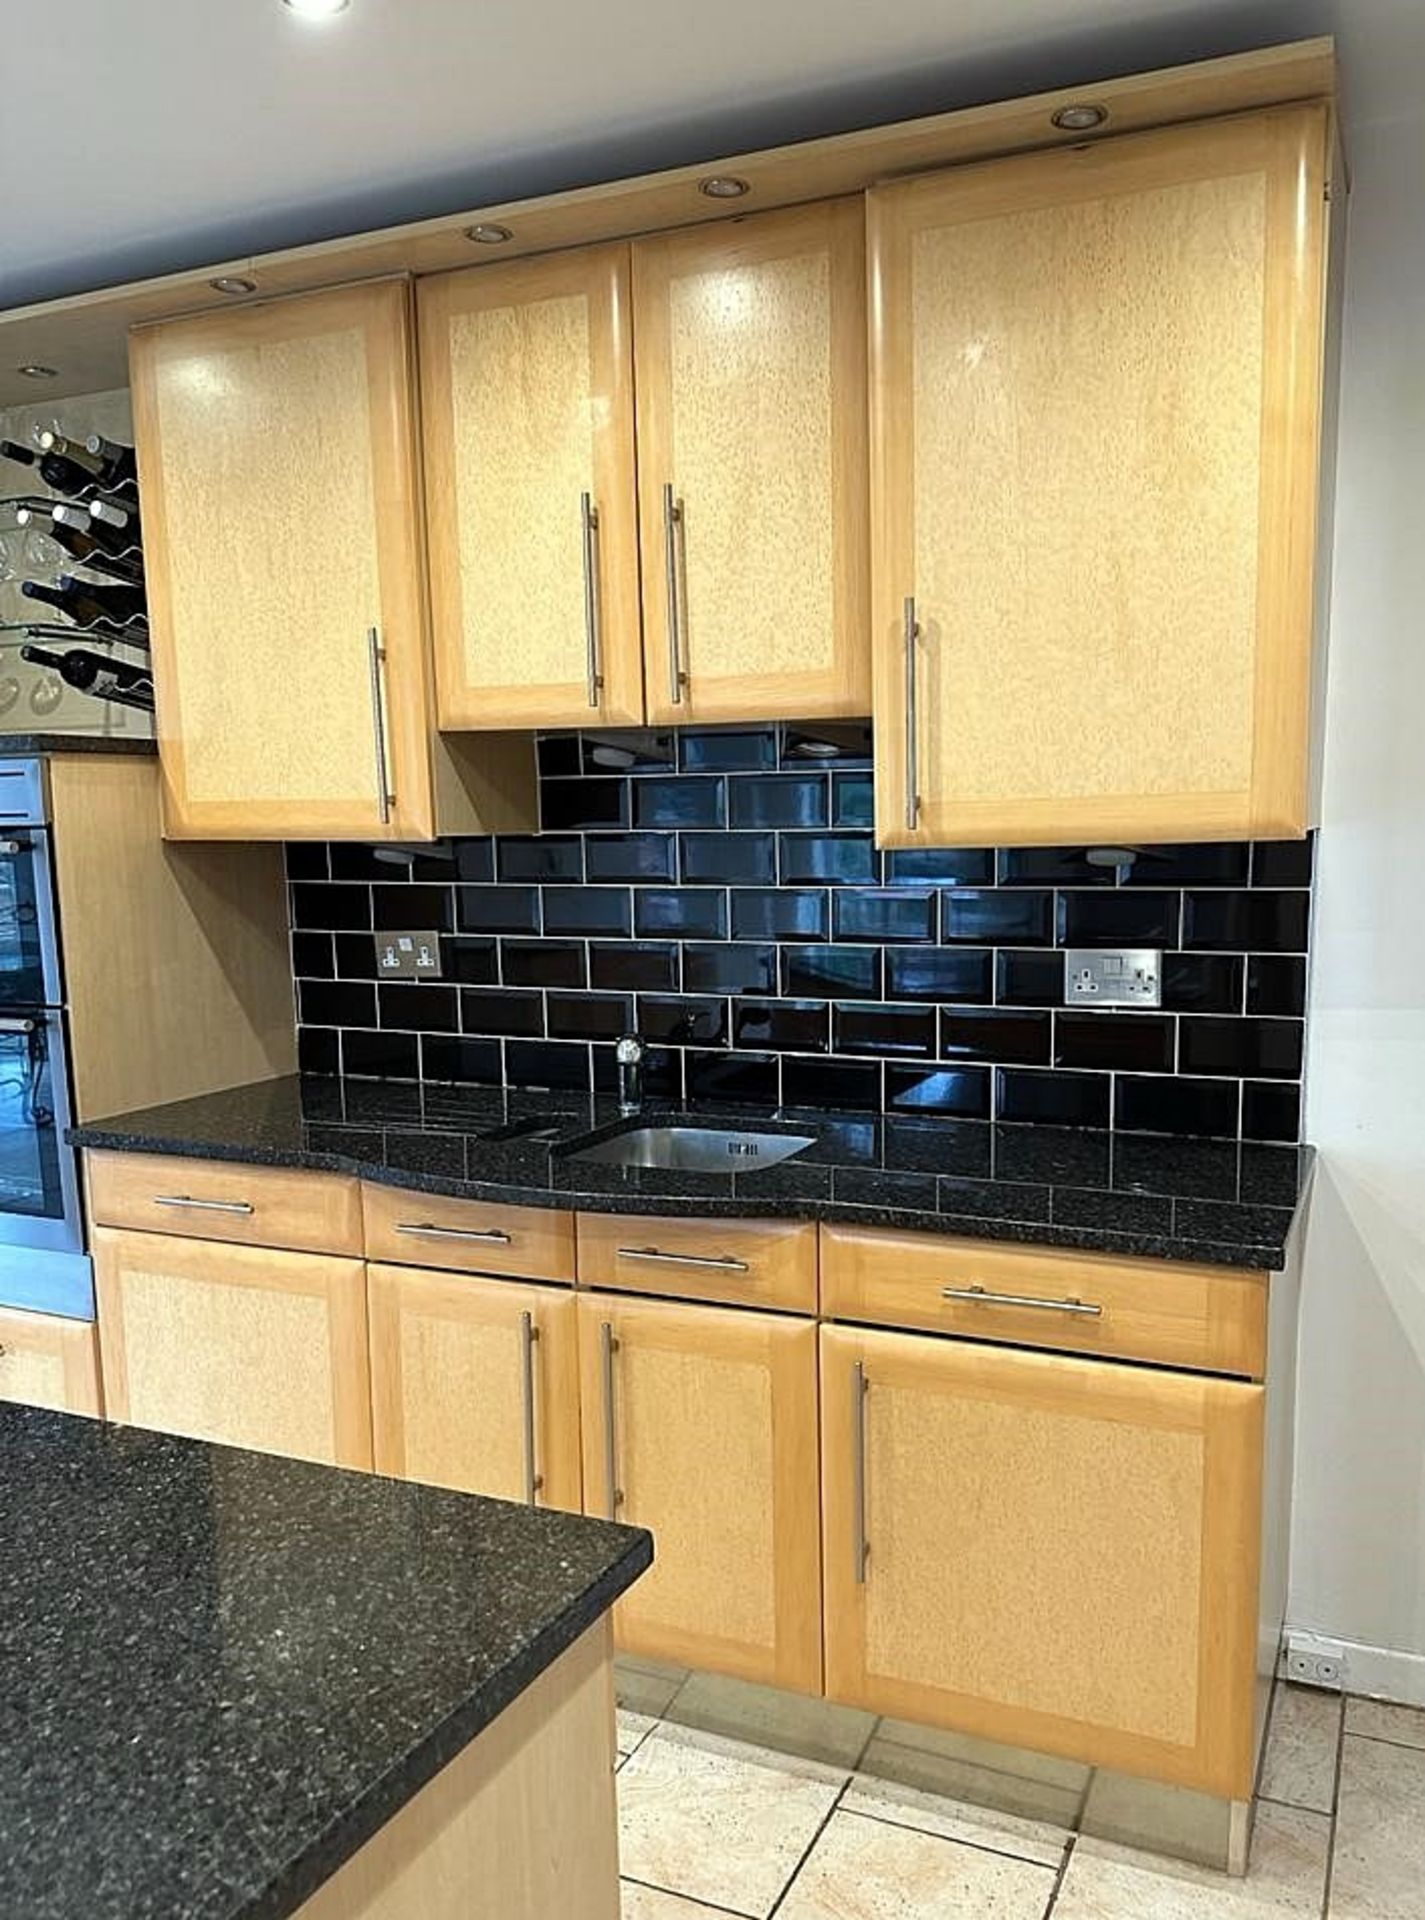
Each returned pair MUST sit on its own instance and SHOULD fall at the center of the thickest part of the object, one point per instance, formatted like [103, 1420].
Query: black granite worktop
[13, 745]
[224, 1671]
[1167, 1198]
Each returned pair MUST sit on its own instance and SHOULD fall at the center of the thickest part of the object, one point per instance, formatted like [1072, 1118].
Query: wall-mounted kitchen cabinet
[1096, 407]
[284, 538]
[527, 391]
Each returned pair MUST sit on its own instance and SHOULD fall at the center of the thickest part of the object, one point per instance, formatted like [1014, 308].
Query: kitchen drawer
[47, 1361]
[1213, 1318]
[422, 1229]
[220, 1200]
[754, 1263]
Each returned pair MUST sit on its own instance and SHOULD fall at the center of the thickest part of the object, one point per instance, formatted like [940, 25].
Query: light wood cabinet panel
[1175, 1313]
[1096, 404]
[713, 1446]
[747, 1263]
[425, 1229]
[240, 1345]
[527, 391]
[222, 1200]
[283, 528]
[46, 1361]
[750, 356]
[1059, 1553]
[475, 1384]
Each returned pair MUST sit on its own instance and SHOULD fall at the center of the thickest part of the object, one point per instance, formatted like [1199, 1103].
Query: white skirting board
[1381, 1673]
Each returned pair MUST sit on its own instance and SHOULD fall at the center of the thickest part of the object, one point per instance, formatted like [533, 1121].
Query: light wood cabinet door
[1096, 402]
[48, 1361]
[475, 1385]
[1052, 1552]
[282, 530]
[750, 357]
[700, 1424]
[240, 1345]
[527, 410]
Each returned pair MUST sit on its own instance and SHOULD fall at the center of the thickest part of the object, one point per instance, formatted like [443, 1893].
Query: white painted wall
[1358, 1562]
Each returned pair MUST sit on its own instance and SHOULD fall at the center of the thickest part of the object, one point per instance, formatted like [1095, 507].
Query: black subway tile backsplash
[719, 890]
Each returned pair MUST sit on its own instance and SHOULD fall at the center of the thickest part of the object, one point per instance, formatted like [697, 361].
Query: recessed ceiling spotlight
[32, 370]
[316, 9]
[233, 283]
[724, 186]
[1079, 119]
[488, 235]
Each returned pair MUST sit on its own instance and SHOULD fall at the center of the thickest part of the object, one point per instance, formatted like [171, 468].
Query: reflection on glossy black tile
[473, 1062]
[472, 960]
[391, 1056]
[684, 1020]
[497, 909]
[731, 1077]
[1271, 1112]
[814, 973]
[988, 917]
[729, 968]
[318, 905]
[995, 1033]
[1176, 1105]
[699, 913]
[629, 856]
[1202, 982]
[1029, 979]
[1283, 863]
[961, 1091]
[1104, 919]
[546, 856]
[631, 750]
[517, 1010]
[1276, 983]
[902, 1033]
[587, 910]
[1140, 1042]
[777, 800]
[558, 1064]
[853, 800]
[784, 1026]
[1053, 1099]
[729, 859]
[406, 908]
[837, 859]
[307, 860]
[630, 963]
[679, 803]
[1247, 922]
[557, 754]
[588, 1016]
[356, 956]
[1049, 867]
[336, 1003]
[318, 1050]
[939, 973]
[826, 743]
[312, 957]
[420, 1006]
[662, 1070]
[864, 913]
[848, 1087]
[474, 859]
[362, 863]
[1210, 863]
[1264, 1049]
[779, 913]
[962, 866]
[565, 805]
[722, 750]
[542, 963]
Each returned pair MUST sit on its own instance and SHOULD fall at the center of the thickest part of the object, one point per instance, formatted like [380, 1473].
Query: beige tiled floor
[883, 1821]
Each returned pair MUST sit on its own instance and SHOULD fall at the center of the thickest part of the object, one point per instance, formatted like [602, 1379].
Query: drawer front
[752, 1263]
[216, 1200]
[421, 1229]
[1212, 1318]
[46, 1361]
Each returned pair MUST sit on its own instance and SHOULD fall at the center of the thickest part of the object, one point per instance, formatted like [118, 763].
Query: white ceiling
[151, 135]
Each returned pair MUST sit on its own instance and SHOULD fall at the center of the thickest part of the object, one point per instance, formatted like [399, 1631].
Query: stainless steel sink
[695, 1149]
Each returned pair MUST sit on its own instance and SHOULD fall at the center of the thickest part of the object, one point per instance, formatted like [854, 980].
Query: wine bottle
[108, 606]
[55, 469]
[120, 463]
[55, 443]
[115, 680]
[68, 527]
[122, 515]
[111, 550]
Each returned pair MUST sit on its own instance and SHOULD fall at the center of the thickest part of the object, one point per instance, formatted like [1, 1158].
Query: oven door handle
[10, 1024]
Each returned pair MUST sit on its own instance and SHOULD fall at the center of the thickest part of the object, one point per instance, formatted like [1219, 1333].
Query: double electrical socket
[408, 956]
[1113, 977]
[1313, 1661]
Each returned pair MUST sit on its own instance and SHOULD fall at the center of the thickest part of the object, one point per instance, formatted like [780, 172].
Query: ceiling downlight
[724, 186]
[1082, 116]
[32, 370]
[487, 234]
[233, 284]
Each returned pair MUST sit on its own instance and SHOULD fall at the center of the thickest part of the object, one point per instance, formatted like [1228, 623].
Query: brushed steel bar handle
[593, 629]
[428, 1230]
[726, 1262]
[608, 1347]
[201, 1206]
[861, 1546]
[533, 1479]
[16, 1023]
[672, 527]
[912, 718]
[376, 654]
[12, 846]
[978, 1296]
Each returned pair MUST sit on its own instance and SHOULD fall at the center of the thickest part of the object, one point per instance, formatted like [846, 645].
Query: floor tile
[1379, 1867]
[765, 1716]
[954, 1819]
[1381, 1721]
[861, 1869]
[632, 1728]
[718, 1820]
[643, 1686]
[651, 1903]
[1300, 1766]
[1286, 1878]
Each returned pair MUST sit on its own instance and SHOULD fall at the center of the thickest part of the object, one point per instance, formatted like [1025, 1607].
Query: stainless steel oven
[43, 1263]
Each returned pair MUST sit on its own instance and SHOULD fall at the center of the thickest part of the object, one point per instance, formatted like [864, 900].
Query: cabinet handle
[376, 654]
[428, 1230]
[978, 1297]
[672, 529]
[16, 1024]
[201, 1206]
[861, 1546]
[608, 1347]
[533, 1479]
[726, 1262]
[912, 719]
[593, 617]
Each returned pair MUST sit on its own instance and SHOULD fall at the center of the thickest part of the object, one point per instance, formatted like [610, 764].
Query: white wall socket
[1313, 1661]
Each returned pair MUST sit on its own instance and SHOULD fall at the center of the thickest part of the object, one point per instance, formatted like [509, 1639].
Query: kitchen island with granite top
[240, 1687]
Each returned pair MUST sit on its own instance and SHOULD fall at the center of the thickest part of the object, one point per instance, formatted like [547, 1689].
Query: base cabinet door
[700, 1424]
[475, 1384]
[48, 1361]
[1051, 1552]
[241, 1345]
